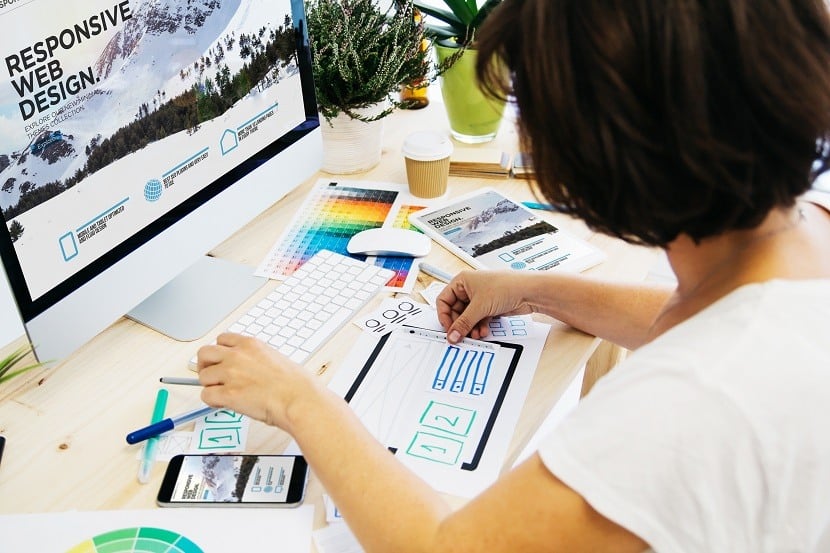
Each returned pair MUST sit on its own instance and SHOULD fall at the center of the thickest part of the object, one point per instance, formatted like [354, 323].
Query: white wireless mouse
[389, 241]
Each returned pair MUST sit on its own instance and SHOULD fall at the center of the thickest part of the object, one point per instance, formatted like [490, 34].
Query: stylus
[149, 455]
[180, 380]
[166, 424]
[435, 272]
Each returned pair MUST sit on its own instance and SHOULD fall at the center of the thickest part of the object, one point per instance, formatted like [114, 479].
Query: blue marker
[165, 425]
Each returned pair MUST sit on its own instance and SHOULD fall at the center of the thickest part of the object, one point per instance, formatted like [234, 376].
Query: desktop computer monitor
[136, 135]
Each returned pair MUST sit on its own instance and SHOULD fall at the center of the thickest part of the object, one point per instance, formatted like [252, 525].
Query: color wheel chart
[137, 540]
[331, 214]
[180, 530]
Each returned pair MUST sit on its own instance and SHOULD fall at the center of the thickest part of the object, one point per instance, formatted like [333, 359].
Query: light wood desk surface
[66, 425]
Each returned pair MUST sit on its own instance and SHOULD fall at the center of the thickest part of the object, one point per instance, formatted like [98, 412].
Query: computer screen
[135, 135]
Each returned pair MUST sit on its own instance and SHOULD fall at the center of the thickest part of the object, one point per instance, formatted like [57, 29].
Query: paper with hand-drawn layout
[446, 411]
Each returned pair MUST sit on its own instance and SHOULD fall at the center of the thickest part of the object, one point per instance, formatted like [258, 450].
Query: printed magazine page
[114, 112]
[490, 231]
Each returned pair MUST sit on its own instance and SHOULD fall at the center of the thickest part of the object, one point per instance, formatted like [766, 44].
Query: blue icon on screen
[152, 190]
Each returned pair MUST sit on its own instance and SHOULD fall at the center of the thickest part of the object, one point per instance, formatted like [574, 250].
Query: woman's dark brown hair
[653, 118]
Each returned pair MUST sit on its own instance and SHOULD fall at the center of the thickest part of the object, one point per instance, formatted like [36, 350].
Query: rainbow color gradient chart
[331, 214]
[129, 540]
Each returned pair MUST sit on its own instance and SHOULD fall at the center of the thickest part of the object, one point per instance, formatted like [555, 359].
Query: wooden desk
[66, 425]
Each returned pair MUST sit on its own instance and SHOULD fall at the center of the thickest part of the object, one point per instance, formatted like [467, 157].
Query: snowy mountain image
[496, 225]
[171, 66]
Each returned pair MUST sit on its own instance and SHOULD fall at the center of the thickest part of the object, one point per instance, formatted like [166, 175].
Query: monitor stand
[193, 303]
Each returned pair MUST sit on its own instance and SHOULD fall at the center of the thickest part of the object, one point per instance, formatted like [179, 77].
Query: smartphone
[234, 480]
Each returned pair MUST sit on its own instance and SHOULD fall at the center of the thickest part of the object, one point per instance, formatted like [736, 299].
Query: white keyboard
[306, 309]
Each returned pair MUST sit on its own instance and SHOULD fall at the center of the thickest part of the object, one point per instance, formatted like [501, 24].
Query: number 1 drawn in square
[448, 418]
[435, 448]
[220, 438]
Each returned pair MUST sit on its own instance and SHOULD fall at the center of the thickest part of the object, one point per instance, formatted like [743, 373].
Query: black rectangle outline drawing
[491, 421]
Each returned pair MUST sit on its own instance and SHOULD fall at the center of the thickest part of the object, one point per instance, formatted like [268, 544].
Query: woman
[688, 125]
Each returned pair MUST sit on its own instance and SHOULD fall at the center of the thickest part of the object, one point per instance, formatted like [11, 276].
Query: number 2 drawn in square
[448, 418]
[435, 448]
[223, 416]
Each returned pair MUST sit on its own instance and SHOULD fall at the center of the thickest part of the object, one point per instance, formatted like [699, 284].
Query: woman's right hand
[472, 298]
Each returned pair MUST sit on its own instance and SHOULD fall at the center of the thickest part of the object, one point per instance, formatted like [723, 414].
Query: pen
[435, 272]
[148, 457]
[166, 424]
[541, 207]
[179, 380]
[2, 445]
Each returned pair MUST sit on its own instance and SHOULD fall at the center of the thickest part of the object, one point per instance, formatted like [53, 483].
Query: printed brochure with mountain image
[490, 231]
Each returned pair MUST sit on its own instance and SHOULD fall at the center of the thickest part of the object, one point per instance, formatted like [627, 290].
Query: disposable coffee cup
[427, 157]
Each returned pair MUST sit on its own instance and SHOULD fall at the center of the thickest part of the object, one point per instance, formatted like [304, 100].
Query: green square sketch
[223, 416]
[220, 438]
[432, 447]
[448, 418]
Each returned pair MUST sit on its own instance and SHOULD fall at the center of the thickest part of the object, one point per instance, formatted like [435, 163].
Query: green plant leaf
[11, 360]
[484, 12]
[438, 32]
[462, 10]
[443, 15]
[12, 374]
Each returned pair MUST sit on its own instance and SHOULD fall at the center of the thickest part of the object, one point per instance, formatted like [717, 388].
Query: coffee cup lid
[427, 146]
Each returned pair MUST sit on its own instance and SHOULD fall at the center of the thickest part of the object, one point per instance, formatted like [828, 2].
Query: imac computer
[136, 136]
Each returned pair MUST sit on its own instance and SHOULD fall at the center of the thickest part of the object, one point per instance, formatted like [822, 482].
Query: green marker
[149, 455]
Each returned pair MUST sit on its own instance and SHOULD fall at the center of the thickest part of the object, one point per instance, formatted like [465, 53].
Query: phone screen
[243, 479]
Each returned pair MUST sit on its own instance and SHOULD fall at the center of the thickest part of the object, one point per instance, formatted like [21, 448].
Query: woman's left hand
[250, 377]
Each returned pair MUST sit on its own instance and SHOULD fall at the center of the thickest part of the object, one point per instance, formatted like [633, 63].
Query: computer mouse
[389, 241]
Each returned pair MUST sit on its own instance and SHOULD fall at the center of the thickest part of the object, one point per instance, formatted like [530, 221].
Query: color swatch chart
[403, 266]
[333, 212]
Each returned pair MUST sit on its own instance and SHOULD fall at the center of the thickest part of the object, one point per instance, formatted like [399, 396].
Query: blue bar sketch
[443, 372]
[480, 376]
[462, 370]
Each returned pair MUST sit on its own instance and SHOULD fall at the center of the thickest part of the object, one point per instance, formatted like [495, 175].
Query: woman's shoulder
[819, 194]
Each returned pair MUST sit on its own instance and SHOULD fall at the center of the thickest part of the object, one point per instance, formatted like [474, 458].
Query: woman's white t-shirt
[715, 437]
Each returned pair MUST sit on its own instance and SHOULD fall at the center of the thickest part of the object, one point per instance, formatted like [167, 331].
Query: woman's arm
[620, 313]
[387, 506]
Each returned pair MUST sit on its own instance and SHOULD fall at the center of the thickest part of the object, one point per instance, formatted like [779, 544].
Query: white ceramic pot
[350, 145]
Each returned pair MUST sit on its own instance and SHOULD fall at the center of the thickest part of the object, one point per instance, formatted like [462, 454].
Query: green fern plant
[361, 54]
[8, 365]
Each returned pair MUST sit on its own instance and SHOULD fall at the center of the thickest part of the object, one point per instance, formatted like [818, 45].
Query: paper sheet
[449, 413]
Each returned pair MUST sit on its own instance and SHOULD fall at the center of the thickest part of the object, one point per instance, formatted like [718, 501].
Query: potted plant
[361, 55]
[474, 117]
